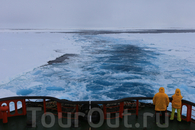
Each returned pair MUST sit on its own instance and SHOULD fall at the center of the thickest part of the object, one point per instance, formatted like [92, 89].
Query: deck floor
[20, 123]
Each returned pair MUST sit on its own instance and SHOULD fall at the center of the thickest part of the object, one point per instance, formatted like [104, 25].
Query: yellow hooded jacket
[176, 102]
[161, 100]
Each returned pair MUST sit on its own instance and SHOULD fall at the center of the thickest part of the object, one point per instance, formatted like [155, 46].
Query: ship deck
[22, 123]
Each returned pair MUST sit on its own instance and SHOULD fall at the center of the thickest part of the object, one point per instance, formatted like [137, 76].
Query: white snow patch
[6, 93]
[21, 52]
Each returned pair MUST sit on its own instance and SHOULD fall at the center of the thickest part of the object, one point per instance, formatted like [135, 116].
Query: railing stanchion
[15, 105]
[77, 110]
[121, 110]
[137, 107]
[59, 107]
[44, 105]
[24, 107]
[189, 112]
[104, 109]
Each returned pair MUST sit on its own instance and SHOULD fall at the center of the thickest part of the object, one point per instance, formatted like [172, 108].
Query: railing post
[104, 109]
[24, 107]
[121, 110]
[77, 110]
[189, 112]
[44, 105]
[59, 107]
[16, 109]
[137, 107]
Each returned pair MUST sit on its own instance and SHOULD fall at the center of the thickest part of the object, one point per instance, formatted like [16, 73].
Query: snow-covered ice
[21, 52]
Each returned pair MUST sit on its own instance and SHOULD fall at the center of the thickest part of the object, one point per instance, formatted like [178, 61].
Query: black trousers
[162, 118]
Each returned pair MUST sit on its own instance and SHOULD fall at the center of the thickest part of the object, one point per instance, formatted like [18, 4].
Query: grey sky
[90, 14]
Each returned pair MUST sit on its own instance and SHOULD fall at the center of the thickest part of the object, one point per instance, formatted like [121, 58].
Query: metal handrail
[86, 102]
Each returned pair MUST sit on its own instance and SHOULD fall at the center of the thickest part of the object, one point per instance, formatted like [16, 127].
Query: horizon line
[100, 31]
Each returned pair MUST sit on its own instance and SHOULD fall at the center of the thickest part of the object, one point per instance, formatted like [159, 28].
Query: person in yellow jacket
[176, 104]
[161, 102]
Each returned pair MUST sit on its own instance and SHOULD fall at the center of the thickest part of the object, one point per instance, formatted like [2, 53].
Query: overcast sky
[93, 14]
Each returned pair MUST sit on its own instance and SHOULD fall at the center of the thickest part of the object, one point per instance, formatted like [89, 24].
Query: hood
[177, 92]
[161, 90]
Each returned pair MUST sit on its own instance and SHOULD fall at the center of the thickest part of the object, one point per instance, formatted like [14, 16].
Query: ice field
[103, 67]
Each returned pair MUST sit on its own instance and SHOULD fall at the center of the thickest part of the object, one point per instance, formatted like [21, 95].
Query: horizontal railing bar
[86, 102]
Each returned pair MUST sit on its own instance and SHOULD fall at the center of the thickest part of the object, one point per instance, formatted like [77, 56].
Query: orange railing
[121, 106]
